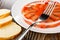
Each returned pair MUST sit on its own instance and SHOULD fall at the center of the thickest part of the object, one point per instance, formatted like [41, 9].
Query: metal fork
[43, 17]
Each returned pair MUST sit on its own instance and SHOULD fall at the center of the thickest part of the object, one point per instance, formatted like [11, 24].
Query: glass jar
[6, 3]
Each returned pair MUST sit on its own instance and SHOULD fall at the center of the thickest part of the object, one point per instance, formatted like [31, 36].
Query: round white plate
[17, 15]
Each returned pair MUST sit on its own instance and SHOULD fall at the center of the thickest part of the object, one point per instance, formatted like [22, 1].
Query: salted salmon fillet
[47, 25]
[49, 20]
[54, 18]
[34, 11]
[57, 14]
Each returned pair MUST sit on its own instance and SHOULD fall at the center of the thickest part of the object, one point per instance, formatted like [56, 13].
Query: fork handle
[25, 32]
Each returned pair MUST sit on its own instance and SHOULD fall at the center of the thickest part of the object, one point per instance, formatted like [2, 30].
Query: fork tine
[46, 9]
[50, 8]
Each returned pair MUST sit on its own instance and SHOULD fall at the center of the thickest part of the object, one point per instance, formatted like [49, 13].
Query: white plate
[17, 15]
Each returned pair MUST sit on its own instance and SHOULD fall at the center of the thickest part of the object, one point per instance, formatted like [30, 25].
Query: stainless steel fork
[44, 16]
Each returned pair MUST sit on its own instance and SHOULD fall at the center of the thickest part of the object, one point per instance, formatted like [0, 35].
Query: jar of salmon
[7, 3]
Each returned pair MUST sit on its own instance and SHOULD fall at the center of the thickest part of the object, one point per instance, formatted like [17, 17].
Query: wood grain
[39, 36]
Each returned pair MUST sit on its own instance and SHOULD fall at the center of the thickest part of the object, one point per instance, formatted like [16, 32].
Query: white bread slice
[4, 13]
[9, 31]
[5, 21]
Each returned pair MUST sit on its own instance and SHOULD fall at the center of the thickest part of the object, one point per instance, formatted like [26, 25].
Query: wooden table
[39, 36]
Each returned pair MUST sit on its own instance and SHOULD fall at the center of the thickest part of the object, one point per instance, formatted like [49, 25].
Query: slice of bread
[5, 20]
[4, 13]
[9, 31]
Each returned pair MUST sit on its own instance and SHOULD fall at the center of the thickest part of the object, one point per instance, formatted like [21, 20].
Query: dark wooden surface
[39, 36]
